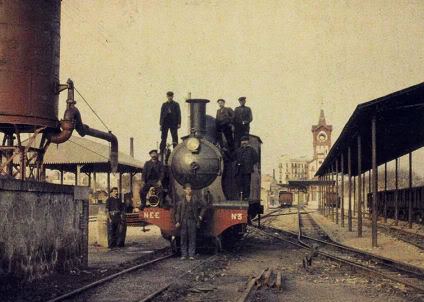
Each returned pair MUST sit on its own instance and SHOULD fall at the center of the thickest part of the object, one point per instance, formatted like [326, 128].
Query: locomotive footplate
[218, 218]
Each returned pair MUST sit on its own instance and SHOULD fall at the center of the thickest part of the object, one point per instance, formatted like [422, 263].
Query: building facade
[304, 168]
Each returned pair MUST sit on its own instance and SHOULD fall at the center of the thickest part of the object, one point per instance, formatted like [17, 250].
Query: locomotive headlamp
[193, 144]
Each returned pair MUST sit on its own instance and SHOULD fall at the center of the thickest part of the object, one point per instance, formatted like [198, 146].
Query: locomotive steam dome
[196, 161]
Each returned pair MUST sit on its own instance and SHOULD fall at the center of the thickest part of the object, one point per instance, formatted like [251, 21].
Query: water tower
[30, 87]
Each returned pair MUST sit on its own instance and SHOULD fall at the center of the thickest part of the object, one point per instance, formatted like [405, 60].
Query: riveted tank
[196, 160]
[29, 63]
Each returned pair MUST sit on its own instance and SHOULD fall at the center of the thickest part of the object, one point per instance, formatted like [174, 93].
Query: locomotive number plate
[237, 216]
[151, 215]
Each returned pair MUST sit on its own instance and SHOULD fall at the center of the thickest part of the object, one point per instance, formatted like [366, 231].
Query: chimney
[273, 174]
[132, 147]
[198, 116]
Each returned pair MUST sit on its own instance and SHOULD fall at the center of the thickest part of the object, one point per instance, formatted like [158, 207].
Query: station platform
[388, 246]
[137, 244]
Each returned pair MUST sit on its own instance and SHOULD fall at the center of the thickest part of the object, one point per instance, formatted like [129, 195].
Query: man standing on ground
[115, 219]
[153, 174]
[170, 119]
[246, 158]
[242, 119]
[188, 217]
[224, 121]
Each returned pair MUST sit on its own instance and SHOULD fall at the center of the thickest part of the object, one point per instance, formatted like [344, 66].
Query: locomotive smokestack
[198, 116]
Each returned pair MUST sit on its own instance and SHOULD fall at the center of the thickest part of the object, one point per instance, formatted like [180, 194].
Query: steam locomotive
[198, 160]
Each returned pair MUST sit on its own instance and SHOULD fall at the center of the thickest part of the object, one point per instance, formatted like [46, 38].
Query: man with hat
[153, 174]
[189, 214]
[116, 227]
[246, 157]
[242, 119]
[224, 120]
[170, 119]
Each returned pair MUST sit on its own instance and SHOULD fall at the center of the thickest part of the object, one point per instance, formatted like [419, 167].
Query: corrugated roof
[400, 130]
[82, 151]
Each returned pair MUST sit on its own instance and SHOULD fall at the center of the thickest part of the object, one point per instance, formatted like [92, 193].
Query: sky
[289, 58]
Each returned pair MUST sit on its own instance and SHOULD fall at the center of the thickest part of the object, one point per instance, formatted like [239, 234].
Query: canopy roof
[91, 156]
[400, 130]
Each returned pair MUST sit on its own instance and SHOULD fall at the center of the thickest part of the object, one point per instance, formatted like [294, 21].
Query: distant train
[285, 199]
[210, 170]
[403, 196]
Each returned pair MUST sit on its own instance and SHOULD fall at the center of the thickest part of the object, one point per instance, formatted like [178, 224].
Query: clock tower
[321, 139]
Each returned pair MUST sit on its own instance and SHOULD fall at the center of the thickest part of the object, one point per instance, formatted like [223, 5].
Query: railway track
[75, 293]
[79, 294]
[311, 236]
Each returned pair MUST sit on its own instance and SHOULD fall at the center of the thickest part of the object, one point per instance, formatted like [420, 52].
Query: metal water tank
[29, 63]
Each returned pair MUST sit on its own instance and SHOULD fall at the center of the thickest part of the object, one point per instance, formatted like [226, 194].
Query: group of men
[234, 126]
[231, 124]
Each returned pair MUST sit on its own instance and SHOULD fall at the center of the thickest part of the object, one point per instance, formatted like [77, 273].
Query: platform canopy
[399, 130]
[90, 156]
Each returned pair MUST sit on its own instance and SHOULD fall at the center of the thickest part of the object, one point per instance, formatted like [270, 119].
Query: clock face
[322, 136]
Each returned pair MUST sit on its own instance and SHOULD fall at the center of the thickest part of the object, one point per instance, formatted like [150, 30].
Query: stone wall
[43, 228]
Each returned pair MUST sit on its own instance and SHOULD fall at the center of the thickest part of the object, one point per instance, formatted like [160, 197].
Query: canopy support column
[374, 180]
[359, 187]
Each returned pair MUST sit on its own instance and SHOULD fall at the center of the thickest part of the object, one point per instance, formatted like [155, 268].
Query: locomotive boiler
[210, 170]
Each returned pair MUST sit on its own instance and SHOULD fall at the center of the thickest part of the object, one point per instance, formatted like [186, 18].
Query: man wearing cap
[170, 119]
[189, 214]
[153, 174]
[242, 119]
[115, 219]
[246, 158]
[224, 120]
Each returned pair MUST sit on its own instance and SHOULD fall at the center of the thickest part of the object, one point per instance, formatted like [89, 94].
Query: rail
[402, 273]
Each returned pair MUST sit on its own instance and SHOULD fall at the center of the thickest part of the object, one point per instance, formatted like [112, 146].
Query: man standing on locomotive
[246, 158]
[224, 121]
[188, 217]
[153, 174]
[170, 119]
[115, 219]
[242, 119]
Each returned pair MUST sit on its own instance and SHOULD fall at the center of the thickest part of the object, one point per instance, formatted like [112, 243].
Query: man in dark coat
[153, 174]
[170, 119]
[189, 214]
[242, 119]
[246, 158]
[116, 228]
[224, 124]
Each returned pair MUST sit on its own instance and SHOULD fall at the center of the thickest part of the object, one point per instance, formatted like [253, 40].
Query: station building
[303, 168]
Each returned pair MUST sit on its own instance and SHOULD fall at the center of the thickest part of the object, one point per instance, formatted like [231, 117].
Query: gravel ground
[140, 247]
[226, 279]
[223, 279]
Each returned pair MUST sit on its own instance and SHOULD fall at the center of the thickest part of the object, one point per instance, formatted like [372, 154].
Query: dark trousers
[116, 230]
[164, 136]
[188, 238]
[239, 132]
[243, 182]
[228, 133]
